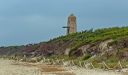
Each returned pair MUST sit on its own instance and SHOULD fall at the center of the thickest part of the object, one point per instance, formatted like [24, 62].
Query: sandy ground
[9, 67]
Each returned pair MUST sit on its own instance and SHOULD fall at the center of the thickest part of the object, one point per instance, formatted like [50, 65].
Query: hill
[106, 44]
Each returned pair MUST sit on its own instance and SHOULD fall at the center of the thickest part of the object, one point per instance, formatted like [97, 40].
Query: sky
[34, 21]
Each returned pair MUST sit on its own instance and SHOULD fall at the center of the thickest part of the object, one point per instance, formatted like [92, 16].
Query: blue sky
[33, 21]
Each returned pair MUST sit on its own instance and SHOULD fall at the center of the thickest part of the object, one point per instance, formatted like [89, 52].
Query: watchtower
[71, 24]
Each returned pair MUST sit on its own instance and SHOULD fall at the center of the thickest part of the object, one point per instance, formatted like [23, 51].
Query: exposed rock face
[84, 49]
[78, 53]
[93, 49]
[104, 45]
[118, 48]
[124, 54]
[67, 51]
[108, 47]
[48, 49]
[123, 43]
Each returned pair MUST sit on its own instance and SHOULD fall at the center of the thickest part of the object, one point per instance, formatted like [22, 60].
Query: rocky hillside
[108, 43]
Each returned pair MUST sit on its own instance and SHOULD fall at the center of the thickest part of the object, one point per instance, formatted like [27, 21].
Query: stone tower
[71, 24]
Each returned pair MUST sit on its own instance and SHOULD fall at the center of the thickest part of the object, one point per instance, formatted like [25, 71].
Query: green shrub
[87, 56]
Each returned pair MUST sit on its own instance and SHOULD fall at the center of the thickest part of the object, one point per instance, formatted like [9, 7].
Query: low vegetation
[56, 48]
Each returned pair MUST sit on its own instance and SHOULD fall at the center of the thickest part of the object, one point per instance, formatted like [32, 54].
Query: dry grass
[7, 67]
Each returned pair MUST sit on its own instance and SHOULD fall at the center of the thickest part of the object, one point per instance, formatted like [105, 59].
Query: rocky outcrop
[103, 46]
[109, 47]
[93, 49]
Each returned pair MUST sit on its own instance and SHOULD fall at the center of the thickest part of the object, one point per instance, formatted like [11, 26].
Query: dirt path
[9, 67]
